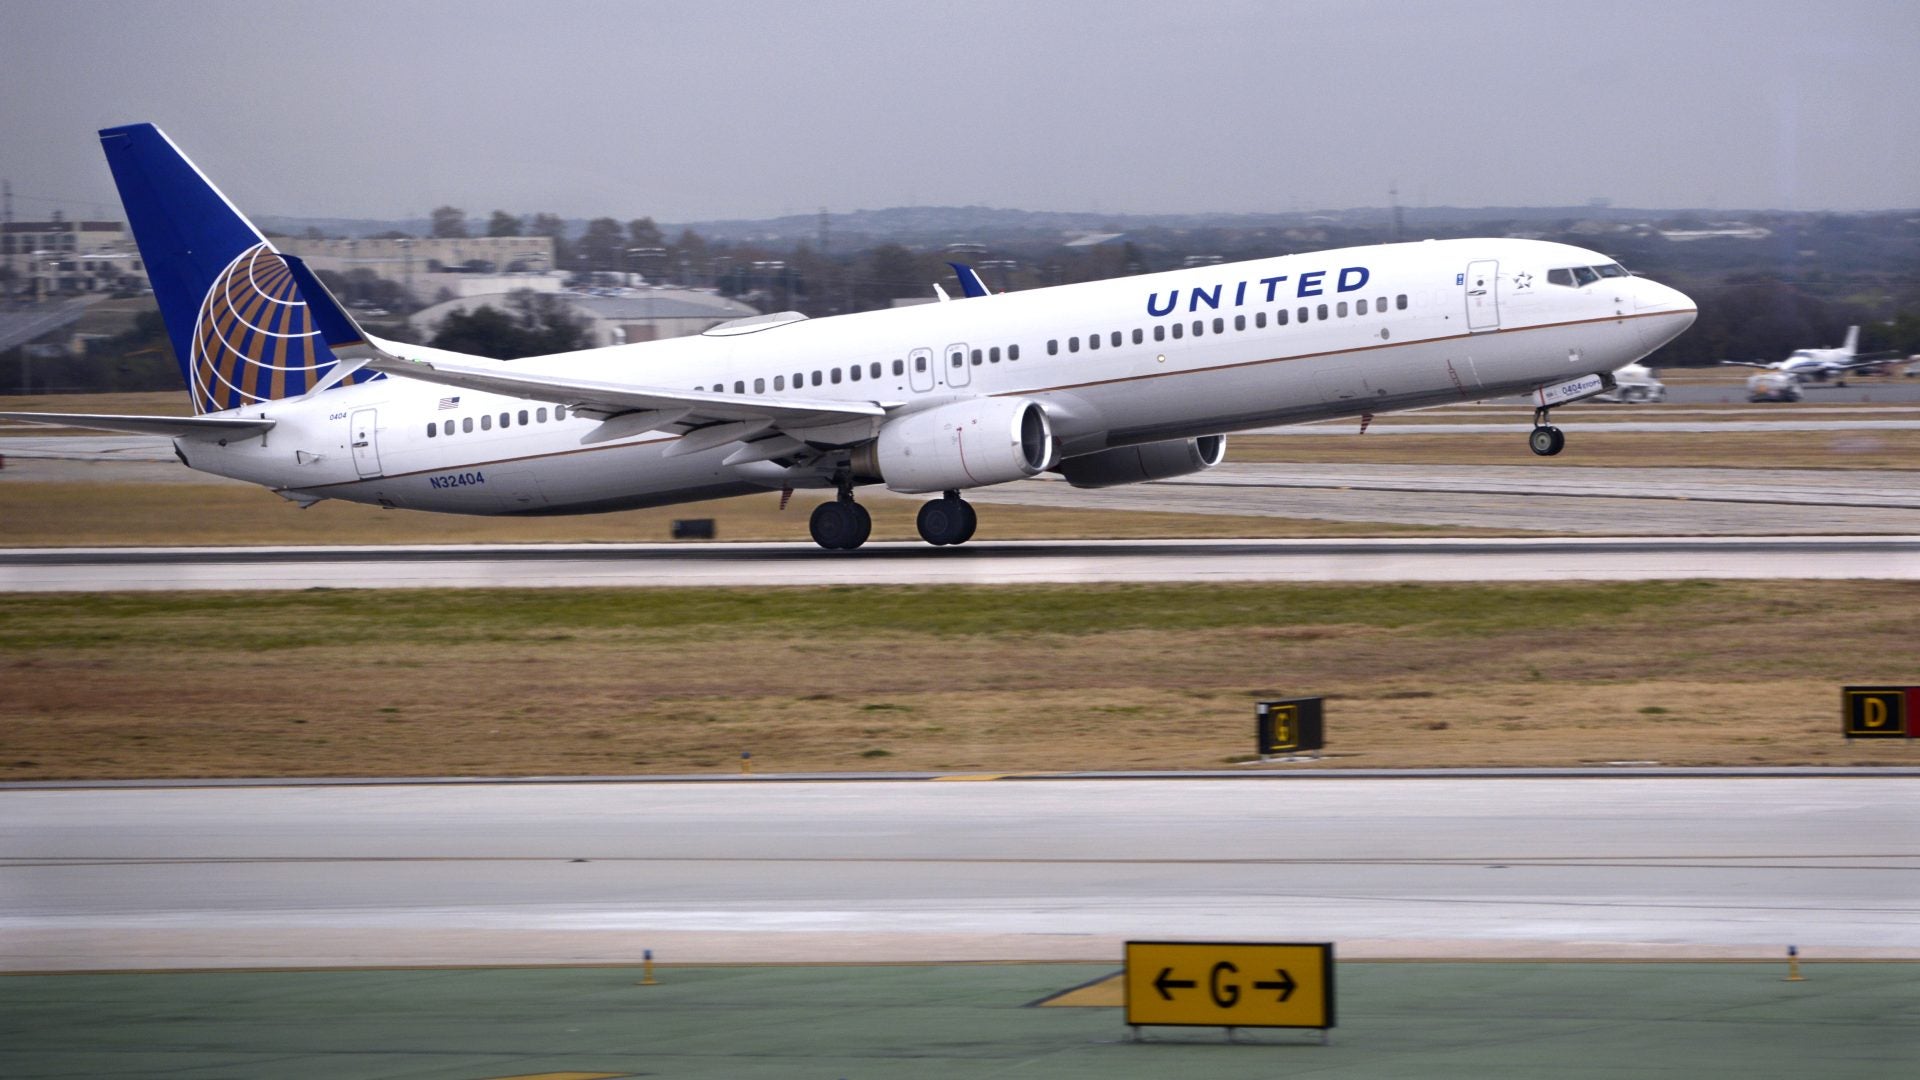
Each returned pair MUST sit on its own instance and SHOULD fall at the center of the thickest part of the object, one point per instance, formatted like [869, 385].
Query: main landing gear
[947, 520]
[841, 525]
[1546, 439]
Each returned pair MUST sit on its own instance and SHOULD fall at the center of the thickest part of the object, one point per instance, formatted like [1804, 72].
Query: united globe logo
[254, 339]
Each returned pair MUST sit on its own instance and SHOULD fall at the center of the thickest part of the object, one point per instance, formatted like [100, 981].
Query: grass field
[937, 678]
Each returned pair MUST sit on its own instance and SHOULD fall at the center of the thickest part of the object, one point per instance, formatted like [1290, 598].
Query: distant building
[396, 260]
[615, 316]
[60, 257]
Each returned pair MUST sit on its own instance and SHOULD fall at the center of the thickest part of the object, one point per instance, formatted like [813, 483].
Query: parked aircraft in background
[1109, 382]
[1818, 365]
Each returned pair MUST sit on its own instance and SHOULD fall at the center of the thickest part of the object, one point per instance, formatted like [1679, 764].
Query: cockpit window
[1575, 276]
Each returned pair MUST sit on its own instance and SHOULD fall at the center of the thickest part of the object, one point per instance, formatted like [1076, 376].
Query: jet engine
[962, 444]
[1148, 461]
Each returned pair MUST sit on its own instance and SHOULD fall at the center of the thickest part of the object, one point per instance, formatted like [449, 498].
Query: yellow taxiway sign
[1230, 984]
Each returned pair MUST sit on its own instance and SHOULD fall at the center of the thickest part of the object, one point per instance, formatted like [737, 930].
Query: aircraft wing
[173, 426]
[1762, 365]
[611, 399]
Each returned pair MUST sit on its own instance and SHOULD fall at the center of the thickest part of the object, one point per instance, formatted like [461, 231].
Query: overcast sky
[687, 111]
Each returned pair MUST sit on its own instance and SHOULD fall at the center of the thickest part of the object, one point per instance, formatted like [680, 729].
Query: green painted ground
[938, 1021]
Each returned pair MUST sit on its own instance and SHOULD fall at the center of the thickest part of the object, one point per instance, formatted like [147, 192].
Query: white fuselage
[1443, 321]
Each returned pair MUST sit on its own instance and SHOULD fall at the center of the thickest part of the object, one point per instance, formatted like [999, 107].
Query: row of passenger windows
[1178, 330]
[507, 419]
[873, 370]
[959, 357]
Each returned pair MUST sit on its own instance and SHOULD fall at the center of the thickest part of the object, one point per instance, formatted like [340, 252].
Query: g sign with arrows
[1229, 984]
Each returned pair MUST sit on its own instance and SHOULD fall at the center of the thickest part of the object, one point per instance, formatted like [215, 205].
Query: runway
[978, 563]
[1058, 869]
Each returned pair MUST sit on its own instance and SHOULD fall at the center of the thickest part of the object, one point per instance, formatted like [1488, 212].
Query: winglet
[970, 282]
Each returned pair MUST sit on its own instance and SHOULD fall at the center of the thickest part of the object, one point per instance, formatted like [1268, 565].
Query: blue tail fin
[240, 326]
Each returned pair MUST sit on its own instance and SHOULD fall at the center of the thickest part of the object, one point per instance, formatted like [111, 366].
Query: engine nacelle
[963, 444]
[1148, 461]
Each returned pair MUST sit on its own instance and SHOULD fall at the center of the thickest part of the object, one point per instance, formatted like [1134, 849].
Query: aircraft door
[958, 372]
[362, 434]
[1482, 281]
[920, 370]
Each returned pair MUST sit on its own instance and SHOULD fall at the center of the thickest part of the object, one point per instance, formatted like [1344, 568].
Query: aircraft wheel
[970, 522]
[840, 526]
[1547, 440]
[946, 521]
[863, 525]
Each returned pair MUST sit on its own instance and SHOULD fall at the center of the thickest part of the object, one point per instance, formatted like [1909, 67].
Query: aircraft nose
[1665, 312]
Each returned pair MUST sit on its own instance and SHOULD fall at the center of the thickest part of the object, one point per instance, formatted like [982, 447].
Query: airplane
[1819, 365]
[1104, 383]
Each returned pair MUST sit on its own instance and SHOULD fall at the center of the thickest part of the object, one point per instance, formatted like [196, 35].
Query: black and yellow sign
[1289, 726]
[1876, 712]
[1229, 984]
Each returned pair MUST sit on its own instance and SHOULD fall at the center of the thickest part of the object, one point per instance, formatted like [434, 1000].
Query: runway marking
[564, 1076]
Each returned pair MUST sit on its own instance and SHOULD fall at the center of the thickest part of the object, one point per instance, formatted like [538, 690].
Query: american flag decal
[450, 402]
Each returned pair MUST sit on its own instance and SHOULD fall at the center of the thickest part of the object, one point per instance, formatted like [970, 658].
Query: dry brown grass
[1596, 446]
[946, 679]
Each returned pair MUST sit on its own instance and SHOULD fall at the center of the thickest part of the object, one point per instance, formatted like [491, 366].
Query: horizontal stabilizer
[173, 426]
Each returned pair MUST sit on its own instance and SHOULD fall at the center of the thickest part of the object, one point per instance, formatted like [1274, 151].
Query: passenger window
[1303, 314]
[506, 420]
[1159, 332]
[854, 373]
[542, 414]
[1199, 327]
[1013, 352]
[432, 430]
[1280, 317]
[816, 378]
[873, 369]
[899, 367]
[1380, 305]
[1321, 311]
[1138, 335]
[466, 424]
[779, 383]
[559, 412]
[1400, 302]
[1093, 341]
[1116, 339]
[993, 355]
[956, 358]
[1179, 330]
[740, 386]
[1219, 325]
[1340, 309]
[523, 418]
[1259, 320]
[486, 422]
[1239, 322]
[834, 376]
[920, 363]
[1073, 344]
[1359, 307]
[1053, 346]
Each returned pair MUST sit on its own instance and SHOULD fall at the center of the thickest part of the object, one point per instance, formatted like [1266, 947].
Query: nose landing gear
[1546, 439]
[947, 520]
